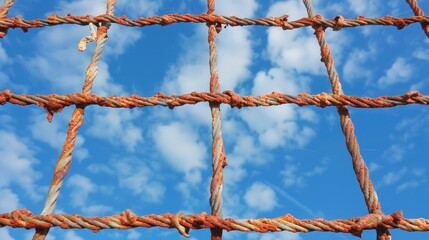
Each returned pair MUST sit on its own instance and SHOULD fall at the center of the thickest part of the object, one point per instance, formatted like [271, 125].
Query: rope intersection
[281, 21]
[23, 218]
[99, 26]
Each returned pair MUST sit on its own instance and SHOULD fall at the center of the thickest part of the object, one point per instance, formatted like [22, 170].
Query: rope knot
[52, 17]
[200, 219]
[399, 23]
[409, 95]
[184, 231]
[323, 100]
[339, 23]
[368, 221]
[235, 99]
[5, 96]
[128, 218]
[284, 22]
[17, 218]
[18, 22]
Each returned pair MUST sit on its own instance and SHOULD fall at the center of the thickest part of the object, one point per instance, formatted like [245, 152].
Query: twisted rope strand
[23, 218]
[218, 149]
[359, 165]
[64, 160]
[3, 13]
[55, 102]
[282, 21]
[419, 12]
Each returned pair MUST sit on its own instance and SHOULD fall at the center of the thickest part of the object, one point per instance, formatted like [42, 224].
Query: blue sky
[284, 159]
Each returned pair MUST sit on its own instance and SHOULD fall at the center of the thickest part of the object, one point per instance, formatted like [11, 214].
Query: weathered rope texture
[359, 165]
[281, 21]
[99, 26]
[218, 150]
[55, 103]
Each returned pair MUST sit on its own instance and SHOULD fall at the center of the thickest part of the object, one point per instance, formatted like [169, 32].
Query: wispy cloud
[364, 8]
[117, 126]
[4, 234]
[403, 179]
[400, 72]
[274, 236]
[54, 133]
[260, 197]
[9, 201]
[356, 66]
[421, 53]
[18, 160]
[81, 187]
[295, 202]
[182, 149]
[71, 235]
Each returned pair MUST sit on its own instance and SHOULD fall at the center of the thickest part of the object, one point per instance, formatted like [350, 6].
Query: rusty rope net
[53, 103]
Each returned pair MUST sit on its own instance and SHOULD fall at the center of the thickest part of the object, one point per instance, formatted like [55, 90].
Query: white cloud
[276, 236]
[355, 68]
[141, 183]
[4, 234]
[372, 167]
[260, 197]
[399, 72]
[364, 7]
[308, 115]
[134, 9]
[301, 51]
[82, 7]
[133, 235]
[181, 147]
[408, 185]
[96, 209]
[277, 126]
[71, 235]
[9, 201]
[417, 178]
[116, 126]
[421, 53]
[4, 58]
[81, 187]
[393, 177]
[139, 178]
[278, 80]
[100, 168]
[395, 153]
[291, 177]
[54, 133]
[243, 8]
[18, 160]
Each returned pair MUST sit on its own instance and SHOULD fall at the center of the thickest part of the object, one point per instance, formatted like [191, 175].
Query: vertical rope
[4, 10]
[359, 165]
[419, 12]
[64, 161]
[218, 150]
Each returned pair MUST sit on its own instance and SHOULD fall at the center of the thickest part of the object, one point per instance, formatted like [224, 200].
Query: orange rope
[54, 103]
[337, 23]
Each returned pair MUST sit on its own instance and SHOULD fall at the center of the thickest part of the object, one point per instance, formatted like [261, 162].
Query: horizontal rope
[55, 102]
[23, 218]
[282, 21]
